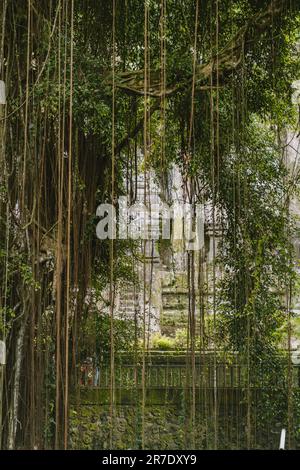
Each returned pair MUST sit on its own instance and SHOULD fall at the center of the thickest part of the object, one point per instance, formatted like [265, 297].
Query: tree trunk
[13, 419]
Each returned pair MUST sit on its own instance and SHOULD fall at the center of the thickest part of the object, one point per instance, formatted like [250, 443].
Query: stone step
[128, 300]
[126, 306]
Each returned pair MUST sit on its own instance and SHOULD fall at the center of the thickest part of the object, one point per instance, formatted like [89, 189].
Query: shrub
[162, 342]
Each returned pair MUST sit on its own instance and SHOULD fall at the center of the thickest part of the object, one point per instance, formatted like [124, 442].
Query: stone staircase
[174, 302]
[128, 303]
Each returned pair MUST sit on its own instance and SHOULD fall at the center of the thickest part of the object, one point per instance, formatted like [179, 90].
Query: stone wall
[166, 427]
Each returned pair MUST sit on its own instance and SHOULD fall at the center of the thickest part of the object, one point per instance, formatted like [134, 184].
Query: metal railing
[175, 372]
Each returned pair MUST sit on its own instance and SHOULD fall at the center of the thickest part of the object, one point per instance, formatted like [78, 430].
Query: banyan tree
[132, 339]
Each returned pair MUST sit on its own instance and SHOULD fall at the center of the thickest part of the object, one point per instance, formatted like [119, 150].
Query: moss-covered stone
[166, 427]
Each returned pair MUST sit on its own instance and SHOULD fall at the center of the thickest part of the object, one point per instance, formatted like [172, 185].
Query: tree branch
[227, 60]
